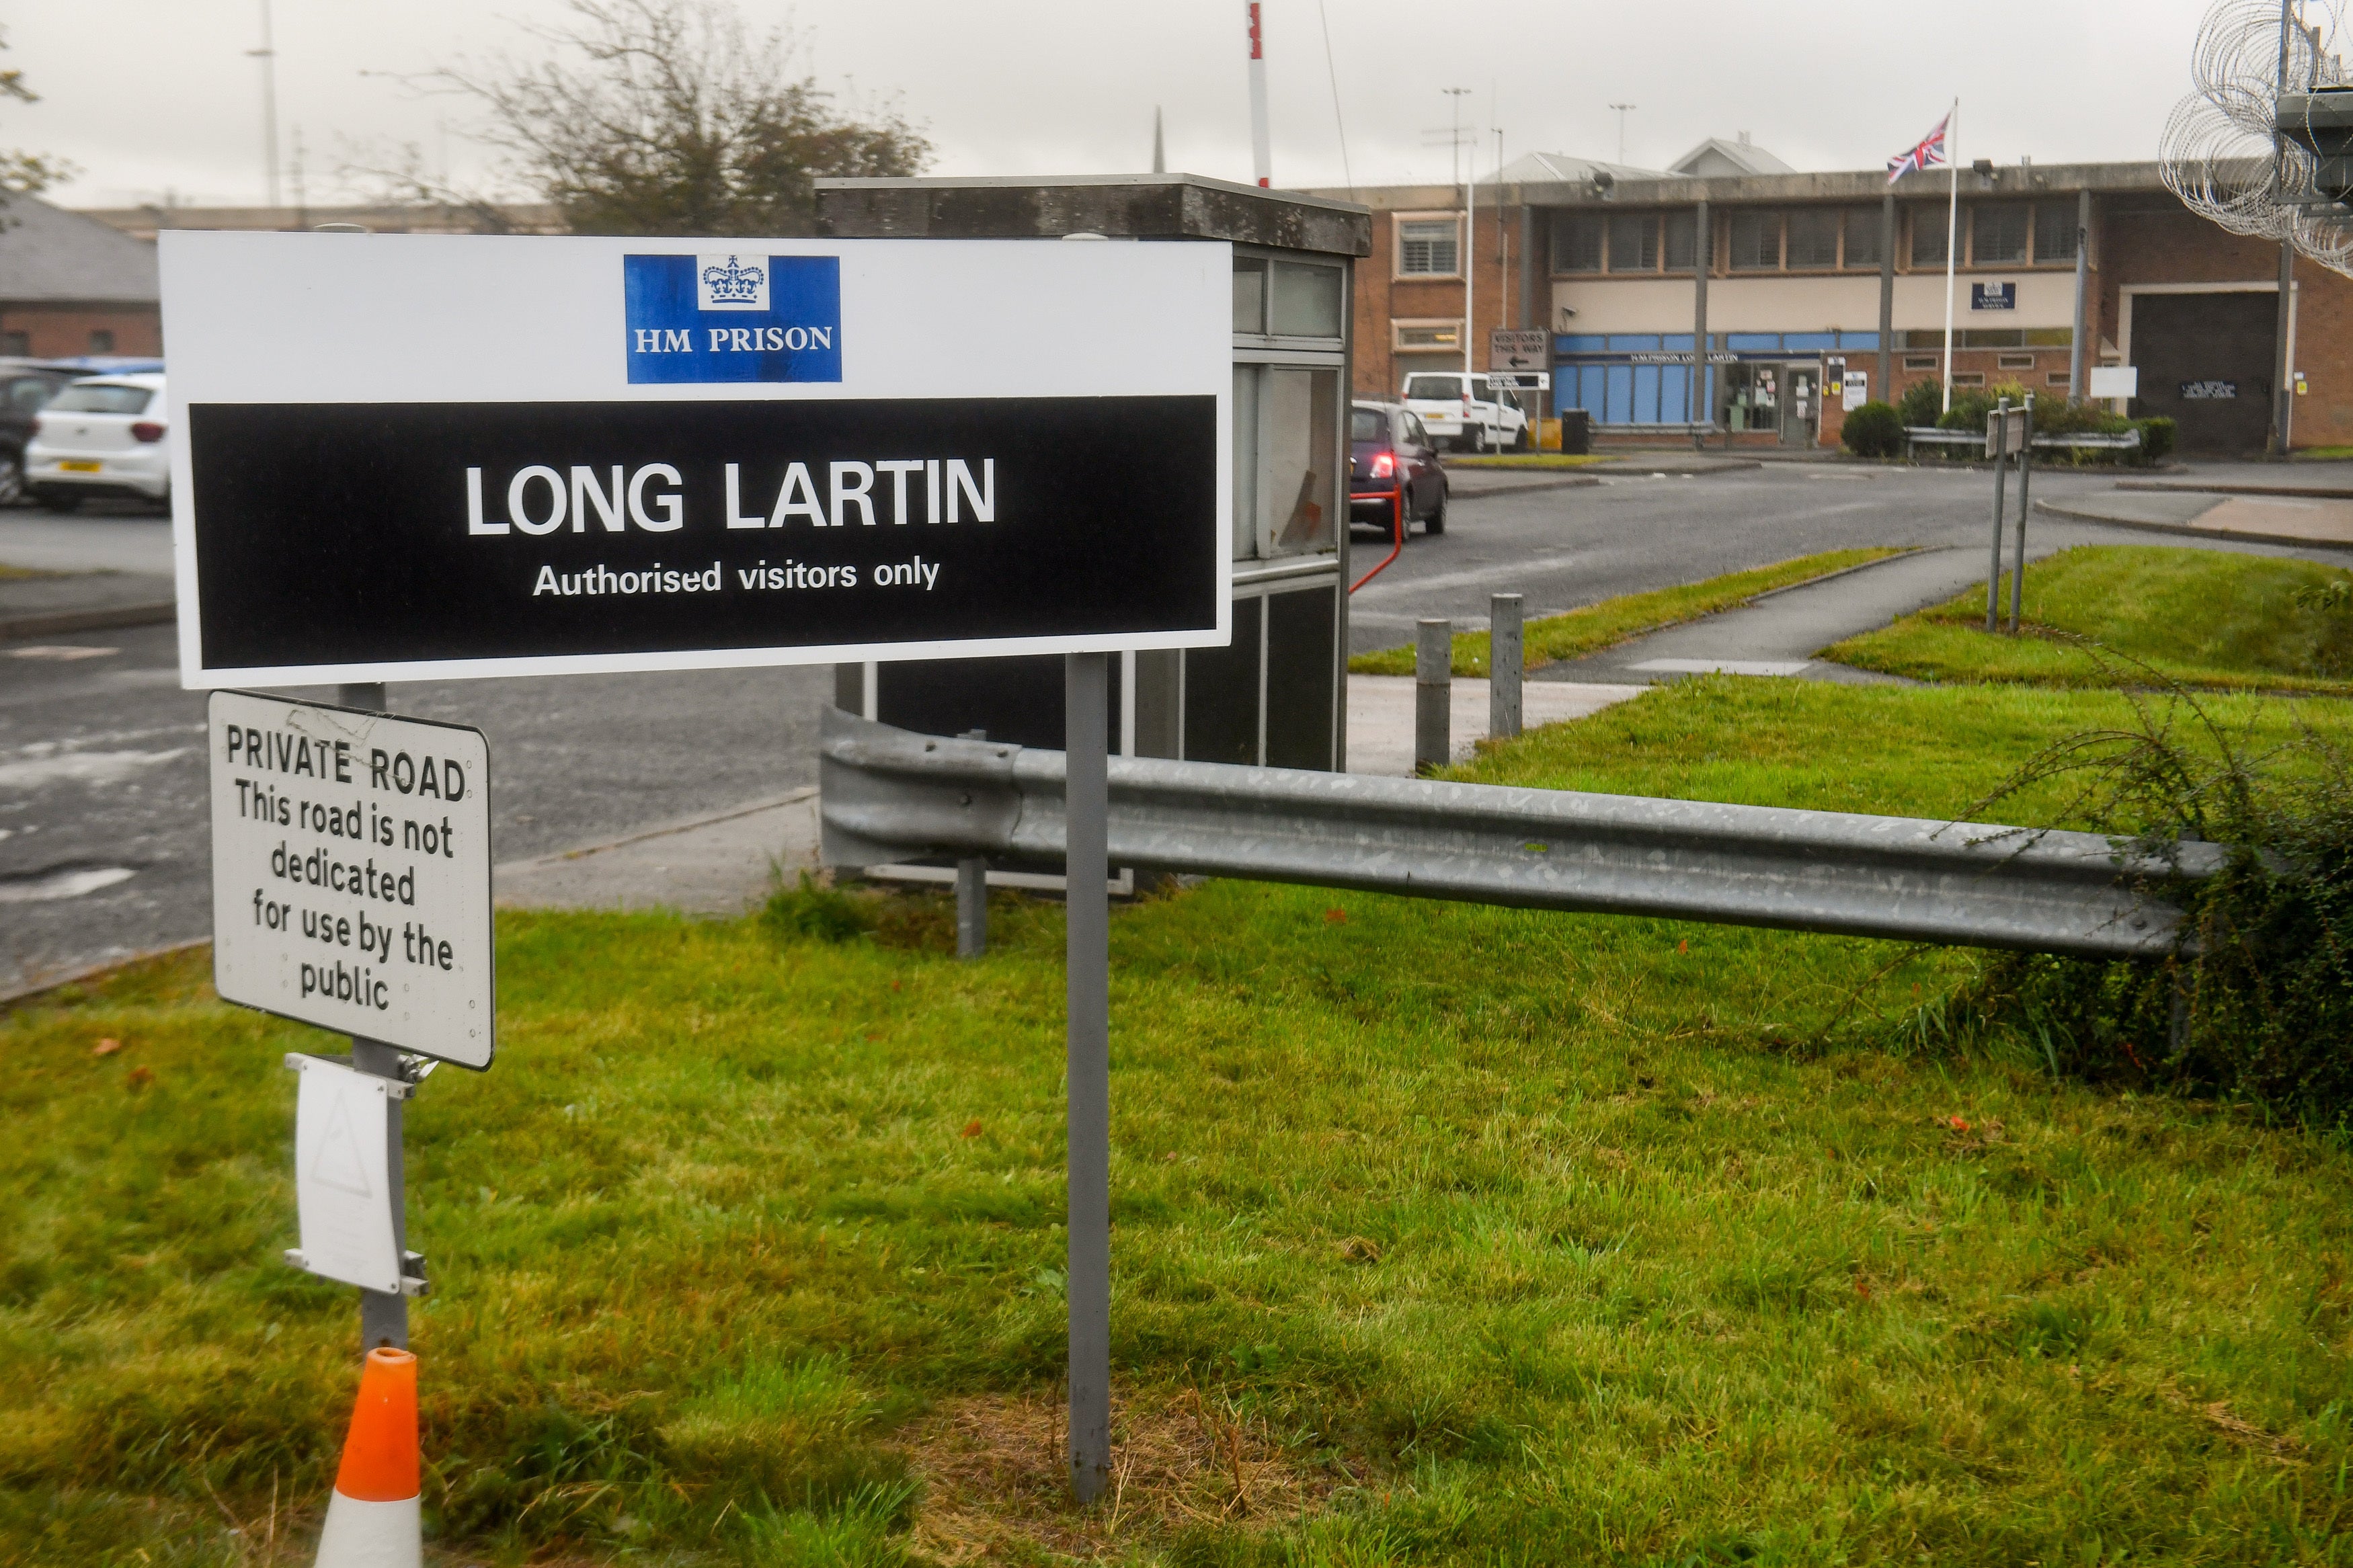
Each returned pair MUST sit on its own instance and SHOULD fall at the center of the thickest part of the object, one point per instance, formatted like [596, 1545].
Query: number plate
[79, 468]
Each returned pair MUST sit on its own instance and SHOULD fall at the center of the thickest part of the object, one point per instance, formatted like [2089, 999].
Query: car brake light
[1384, 465]
[146, 430]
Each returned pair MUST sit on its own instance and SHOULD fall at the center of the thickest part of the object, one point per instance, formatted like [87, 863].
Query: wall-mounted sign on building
[1993, 296]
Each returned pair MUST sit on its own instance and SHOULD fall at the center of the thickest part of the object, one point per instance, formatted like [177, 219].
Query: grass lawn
[1442, 1234]
[9, 573]
[1530, 460]
[1613, 621]
[2198, 618]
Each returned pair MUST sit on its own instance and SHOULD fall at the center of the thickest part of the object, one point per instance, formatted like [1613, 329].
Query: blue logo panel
[729, 316]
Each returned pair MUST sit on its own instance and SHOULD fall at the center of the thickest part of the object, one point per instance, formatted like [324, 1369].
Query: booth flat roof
[1125, 206]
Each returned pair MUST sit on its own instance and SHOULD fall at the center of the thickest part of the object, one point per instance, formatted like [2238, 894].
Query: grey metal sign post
[384, 1314]
[1997, 441]
[2025, 482]
[1087, 956]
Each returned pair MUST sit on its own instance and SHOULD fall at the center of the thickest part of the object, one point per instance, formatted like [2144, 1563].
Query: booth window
[1633, 242]
[1929, 236]
[1302, 435]
[1813, 239]
[2054, 231]
[1998, 233]
[1755, 241]
[1245, 385]
[1575, 243]
[1429, 248]
[1306, 300]
[1250, 296]
[1683, 228]
[1863, 237]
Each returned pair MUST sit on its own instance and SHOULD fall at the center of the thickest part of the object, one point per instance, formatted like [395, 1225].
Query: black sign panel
[345, 534]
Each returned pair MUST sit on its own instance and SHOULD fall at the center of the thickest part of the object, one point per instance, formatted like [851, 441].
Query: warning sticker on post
[352, 872]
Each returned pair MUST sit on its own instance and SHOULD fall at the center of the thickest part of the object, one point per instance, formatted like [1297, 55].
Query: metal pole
[1703, 409]
[384, 1315]
[2000, 452]
[1888, 298]
[1505, 660]
[1261, 160]
[1433, 694]
[2282, 391]
[2082, 294]
[1087, 956]
[972, 894]
[2025, 480]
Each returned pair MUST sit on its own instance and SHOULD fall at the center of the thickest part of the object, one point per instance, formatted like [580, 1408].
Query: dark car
[1393, 466]
[26, 387]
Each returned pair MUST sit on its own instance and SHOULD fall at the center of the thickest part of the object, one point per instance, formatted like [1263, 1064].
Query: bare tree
[667, 117]
[20, 172]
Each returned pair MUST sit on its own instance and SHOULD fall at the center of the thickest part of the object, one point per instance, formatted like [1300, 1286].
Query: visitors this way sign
[413, 456]
[352, 872]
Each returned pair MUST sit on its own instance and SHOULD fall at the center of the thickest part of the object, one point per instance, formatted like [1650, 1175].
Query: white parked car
[1486, 419]
[100, 436]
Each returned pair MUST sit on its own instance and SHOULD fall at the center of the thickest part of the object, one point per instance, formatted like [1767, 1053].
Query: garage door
[2206, 363]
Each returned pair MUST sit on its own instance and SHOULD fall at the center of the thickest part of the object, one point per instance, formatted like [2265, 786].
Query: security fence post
[1505, 663]
[1434, 695]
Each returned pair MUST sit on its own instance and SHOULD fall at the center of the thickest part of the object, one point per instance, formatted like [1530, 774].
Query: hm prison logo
[730, 317]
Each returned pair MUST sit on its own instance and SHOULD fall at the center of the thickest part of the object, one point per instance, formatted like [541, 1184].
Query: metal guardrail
[1935, 436]
[889, 794]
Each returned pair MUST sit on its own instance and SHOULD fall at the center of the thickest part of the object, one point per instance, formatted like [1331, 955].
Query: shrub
[2155, 439]
[2255, 1003]
[810, 909]
[1874, 430]
[1921, 402]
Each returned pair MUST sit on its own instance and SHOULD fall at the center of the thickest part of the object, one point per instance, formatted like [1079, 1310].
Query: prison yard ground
[1443, 1233]
[2110, 614]
[1612, 621]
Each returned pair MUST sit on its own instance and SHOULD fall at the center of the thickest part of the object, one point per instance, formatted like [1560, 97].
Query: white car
[100, 436]
[1485, 419]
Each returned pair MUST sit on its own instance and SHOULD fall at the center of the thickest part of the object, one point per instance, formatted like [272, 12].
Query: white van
[1489, 419]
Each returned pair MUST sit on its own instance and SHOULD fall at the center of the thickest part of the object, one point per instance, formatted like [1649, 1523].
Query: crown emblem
[733, 284]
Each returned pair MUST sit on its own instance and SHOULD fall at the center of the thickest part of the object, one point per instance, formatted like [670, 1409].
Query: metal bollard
[1506, 661]
[1434, 695]
[2000, 477]
[972, 893]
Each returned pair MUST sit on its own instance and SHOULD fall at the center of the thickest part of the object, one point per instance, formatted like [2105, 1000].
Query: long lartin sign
[352, 872]
[403, 458]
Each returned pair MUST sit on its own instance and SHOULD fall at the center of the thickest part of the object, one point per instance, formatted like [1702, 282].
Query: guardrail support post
[384, 1315]
[2000, 490]
[1433, 694]
[972, 893]
[1506, 659]
[2025, 478]
[1087, 956]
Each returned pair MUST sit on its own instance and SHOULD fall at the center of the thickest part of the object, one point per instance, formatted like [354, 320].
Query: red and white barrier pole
[1262, 158]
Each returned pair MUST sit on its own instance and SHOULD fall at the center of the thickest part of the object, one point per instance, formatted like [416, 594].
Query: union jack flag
[1927, 155]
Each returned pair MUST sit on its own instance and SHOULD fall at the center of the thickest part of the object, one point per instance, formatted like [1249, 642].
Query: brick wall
[1383, 298]
[64, 333]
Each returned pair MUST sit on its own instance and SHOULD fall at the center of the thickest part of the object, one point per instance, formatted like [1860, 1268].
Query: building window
[1929, 236]
[1998, 233]
[1862, 237]
[18, 344]
[1575, 243]
[1681, 229]
[1969, 378]
[1429, 248]
[2056, 378]
[2051, 337]
[2017, 362]
[2054, 231]
[1813, 239]
[101, 341]
[1634, 242]
[1991, 338]
[1755, 241]
[1430, 337]
[1919, 362]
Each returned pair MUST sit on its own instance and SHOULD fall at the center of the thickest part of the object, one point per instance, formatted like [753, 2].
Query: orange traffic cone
[373, 1518]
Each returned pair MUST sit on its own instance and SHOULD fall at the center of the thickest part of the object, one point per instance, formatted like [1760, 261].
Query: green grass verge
[1530, 460]
[2197, 617]
[10, 573]
[1613, 621]
[1443, 1234]
[2321, 454]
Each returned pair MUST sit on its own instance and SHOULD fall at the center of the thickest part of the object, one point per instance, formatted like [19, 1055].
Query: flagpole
[1952, 238]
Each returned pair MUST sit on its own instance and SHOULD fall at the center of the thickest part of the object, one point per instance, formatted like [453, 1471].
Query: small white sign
[352, 872]
[1855, 389]
[1510, 348]
[2116, 381]
[1521, 380]
[343, 1177]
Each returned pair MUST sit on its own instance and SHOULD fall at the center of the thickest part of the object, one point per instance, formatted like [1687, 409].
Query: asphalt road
[103, 812]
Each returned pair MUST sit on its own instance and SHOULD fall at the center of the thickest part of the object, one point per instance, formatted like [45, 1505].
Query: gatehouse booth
[1277, 696]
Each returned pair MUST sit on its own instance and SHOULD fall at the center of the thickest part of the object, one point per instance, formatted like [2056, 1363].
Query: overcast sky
[157, 96]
